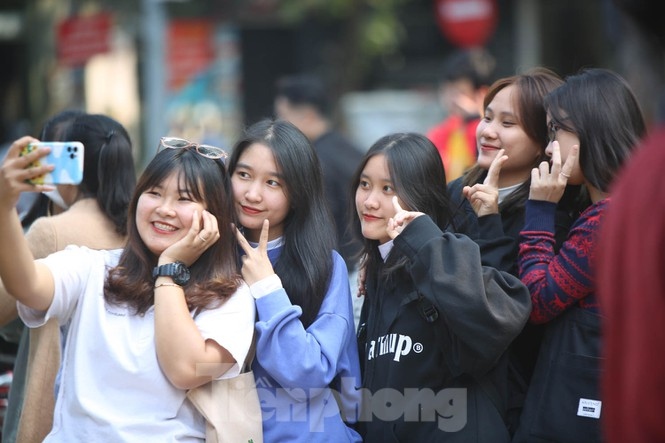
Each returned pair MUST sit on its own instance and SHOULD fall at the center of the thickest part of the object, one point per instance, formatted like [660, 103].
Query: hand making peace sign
[255, 263]
[484, 197]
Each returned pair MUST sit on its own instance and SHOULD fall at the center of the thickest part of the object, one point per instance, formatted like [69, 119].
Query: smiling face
[164, 213]
[374, 199]
[259, 192]
[500, 128]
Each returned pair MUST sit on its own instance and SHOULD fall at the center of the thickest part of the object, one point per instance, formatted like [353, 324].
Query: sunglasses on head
[208, 151]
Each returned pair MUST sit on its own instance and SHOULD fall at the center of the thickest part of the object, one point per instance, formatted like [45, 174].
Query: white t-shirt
[112, 387]
[505, 192]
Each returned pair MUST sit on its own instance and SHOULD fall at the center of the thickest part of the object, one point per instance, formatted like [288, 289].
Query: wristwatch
[177, 270]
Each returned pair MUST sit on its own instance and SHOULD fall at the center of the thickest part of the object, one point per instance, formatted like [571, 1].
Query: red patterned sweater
[558, 281]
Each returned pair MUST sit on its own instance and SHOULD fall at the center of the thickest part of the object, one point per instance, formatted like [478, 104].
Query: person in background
[436, 322]
[31, 206]
[631, 292]
[466, 76]
[631, 281]
[595, 123]
[141, 319]
[48, 203]
[306, 363]
[93, 214]
[303, 101]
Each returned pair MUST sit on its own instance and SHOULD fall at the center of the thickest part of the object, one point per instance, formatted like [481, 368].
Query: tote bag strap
[251, 353]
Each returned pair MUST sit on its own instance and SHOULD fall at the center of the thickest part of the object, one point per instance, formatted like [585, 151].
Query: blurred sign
[189, 50]
[79, 38]
[11, 24]
[467, 23]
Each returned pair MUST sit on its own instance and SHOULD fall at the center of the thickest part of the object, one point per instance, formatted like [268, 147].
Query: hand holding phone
[67, 159]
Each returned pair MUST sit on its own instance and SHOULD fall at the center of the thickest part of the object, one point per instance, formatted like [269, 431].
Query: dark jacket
[339, 160]
[435, 336]
[498, 236]
[562, 402]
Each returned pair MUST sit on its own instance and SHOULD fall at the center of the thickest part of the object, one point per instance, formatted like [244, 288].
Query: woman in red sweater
[595, 121]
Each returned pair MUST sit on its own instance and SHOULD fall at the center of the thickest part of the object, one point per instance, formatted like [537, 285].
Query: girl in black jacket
[436, 322]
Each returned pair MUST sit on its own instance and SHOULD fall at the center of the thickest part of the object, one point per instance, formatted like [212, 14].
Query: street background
[204, 69]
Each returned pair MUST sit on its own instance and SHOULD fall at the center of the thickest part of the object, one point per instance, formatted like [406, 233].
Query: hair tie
[110, 135]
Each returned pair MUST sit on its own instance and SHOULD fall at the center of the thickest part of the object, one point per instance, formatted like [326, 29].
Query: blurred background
[203, 70]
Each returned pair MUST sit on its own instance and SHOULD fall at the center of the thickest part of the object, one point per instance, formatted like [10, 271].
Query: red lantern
[467, 23]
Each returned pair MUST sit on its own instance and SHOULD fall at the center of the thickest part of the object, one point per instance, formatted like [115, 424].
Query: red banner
[79, 38]
[189, 50]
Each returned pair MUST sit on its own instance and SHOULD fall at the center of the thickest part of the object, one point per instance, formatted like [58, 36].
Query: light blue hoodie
[299, 371]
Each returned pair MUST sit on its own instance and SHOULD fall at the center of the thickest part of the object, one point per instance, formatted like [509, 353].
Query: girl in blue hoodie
[306, 366]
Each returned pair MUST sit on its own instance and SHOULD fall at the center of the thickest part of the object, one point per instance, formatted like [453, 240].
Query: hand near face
[202, 234]
[484, 197]
[255, 263]
[549, 184]
[400, 220]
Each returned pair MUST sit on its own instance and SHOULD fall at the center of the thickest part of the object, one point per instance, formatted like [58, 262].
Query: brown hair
[215, 275]
[531, 89]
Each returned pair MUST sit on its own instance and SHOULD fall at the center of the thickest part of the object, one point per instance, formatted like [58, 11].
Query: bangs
[190, 174]
[189, 167]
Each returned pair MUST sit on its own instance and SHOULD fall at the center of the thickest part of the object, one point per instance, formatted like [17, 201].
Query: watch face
[177, 270]
[181, 275]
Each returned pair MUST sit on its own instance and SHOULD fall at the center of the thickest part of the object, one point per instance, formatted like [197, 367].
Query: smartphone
[67, 157]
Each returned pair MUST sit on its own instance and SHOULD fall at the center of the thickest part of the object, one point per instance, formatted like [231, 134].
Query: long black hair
[416, 173]
[305, 265]
[108, 165]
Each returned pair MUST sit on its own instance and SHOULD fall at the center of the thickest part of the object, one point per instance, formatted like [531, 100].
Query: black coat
[440, 326]
[498, 236]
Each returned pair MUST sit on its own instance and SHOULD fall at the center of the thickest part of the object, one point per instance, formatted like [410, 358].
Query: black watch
[177, 270]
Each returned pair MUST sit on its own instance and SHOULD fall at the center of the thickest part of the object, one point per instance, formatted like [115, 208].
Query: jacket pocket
[570, 407]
